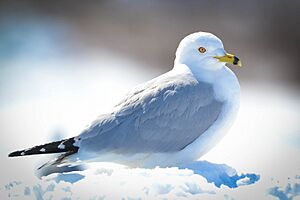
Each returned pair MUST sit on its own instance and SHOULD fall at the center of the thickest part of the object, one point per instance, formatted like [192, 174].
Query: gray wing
[164, 115]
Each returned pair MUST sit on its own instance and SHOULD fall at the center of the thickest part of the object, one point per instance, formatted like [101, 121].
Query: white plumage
[165, 121]
[172, 119]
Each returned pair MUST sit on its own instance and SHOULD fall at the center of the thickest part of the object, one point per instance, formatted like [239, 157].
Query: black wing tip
[48, 148]
[16, 154]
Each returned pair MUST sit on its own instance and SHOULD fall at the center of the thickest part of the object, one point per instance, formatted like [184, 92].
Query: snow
[261, 163]
[111, 181]
[288, 192]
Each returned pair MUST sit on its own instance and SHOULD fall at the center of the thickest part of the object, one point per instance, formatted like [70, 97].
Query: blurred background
[265, 34]
[64, 62]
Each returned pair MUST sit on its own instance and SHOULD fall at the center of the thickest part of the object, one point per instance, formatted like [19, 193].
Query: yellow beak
[229, 58]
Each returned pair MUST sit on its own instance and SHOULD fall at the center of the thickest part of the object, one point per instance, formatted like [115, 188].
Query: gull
[170, 120]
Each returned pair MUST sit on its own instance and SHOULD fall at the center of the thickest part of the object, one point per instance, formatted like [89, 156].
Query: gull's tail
[57, 165]
[62, 146]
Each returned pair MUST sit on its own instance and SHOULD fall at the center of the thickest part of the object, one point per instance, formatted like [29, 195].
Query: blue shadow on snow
[221, 174]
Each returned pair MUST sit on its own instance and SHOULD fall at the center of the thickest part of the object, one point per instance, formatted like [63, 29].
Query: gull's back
[165, 114]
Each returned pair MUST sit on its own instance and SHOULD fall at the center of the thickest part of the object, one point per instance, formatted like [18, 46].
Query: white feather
[174, 118]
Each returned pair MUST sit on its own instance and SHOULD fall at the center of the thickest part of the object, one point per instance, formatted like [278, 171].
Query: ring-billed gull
[169, 120]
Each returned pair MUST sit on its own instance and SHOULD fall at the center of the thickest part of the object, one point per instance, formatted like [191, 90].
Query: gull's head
[204, 50]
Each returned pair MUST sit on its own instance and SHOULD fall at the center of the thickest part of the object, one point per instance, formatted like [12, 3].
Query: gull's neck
[223, 80]
[200, 71]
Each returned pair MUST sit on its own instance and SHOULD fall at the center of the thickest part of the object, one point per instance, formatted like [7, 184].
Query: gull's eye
[202, 50]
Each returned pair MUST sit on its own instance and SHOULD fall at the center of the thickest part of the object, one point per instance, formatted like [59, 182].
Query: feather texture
[163, 115]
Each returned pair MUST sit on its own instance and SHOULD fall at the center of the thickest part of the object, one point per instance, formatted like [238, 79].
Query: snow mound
[111, 181]
[287, 192]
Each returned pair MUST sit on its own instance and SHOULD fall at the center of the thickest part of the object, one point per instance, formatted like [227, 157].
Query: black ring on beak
[235, 60]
